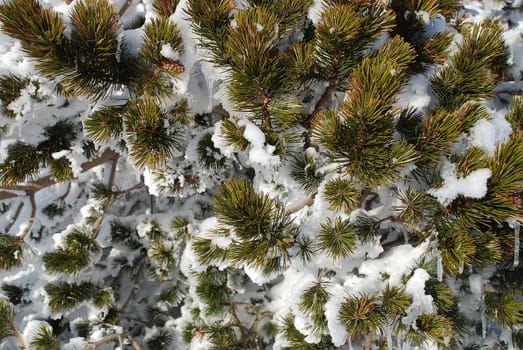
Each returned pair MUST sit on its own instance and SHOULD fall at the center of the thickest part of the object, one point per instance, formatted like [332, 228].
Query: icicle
[461, 266]
[389, 337]
[349, 341]
[439, 266]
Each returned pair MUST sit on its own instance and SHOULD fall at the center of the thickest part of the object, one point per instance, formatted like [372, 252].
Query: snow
[421, 303]
[203, 85]
[168, 52]
[473, 185]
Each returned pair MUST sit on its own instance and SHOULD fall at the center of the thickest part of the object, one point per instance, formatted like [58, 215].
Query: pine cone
[175, 67]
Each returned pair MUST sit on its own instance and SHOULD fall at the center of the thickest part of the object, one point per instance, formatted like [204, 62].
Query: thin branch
[17, 214]
[19, 338]
[306, 203]
[124, 8]
[47, 181]
[62, 197]
[110, 184]
[130, 189]
[31, 219]
[115, 337]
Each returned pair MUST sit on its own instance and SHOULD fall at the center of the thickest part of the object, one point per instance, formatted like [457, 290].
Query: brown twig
[125, 8]
[33, 187]
[320, 105]
[306, 203]
[32, 218]
[130, 189]
[19, 339]
[17, 214]
[115, 337]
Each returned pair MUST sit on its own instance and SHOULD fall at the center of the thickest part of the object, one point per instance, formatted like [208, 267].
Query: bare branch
[47, 181]
[306, 203]
[17, 214]
[32, 218]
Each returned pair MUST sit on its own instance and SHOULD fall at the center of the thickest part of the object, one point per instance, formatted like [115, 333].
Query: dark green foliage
[361, 315]
[159, 340]
[342, 34]
[304, 170]
[90, 62]
[514, 115]
[441, 293]
[44, 339]
[163, 255]
[22, 162]
[152, 143]
[74, 255]
[165, 8]
[10, 87]
[431, 327]
[63, 295]
[265, 232]
[258, 82]
[360, 136]
[209, 156]
[210, 21]
[456, 247]
[99, 59]
[11, 251]
[337, 238]
[7, 314]
[105, 124]
[412, 27]
[207, 251]
[417, 206]
[58, 137]
[180, 225]
[366, 227]
[394, 303]
[481, 61]
[234, 134]
[506, 309]
[212, 289]
[341, 194]
[43, 34]
[13, 293]
[312, 304]
[159, 32]
[473, 159]
[297, 340]
[442, 127]
[83, 328]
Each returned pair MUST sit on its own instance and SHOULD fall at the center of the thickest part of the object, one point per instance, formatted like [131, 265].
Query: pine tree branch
[130, 189]
[110, 184]
[47, 181]
[17, 214]
[320, 105]
[306, 203]
[19, 339]
[125, 8]
[115, 337]
[31, 219]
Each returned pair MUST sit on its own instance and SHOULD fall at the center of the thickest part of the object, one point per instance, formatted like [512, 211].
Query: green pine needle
[11, 251]
[44, 339]
[337, 238]
[361, 315]
[341, 195]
